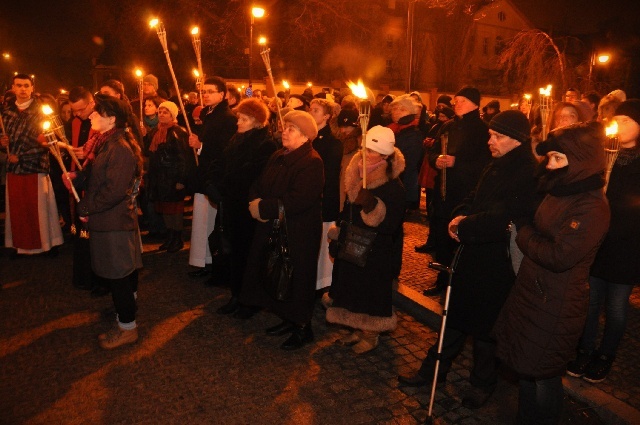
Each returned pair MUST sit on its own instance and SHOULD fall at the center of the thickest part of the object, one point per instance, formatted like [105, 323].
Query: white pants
[204, 219]
[325, 262]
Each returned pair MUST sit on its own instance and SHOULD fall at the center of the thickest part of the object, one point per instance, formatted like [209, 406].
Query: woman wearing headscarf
[294, 178]
[170, 159]
[244, 158]
[540, 324]
[112, 174]
[360, 297]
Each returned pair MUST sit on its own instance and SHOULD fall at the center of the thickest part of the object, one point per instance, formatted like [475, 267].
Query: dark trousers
[540, 401]
[444, 246]
[241, 227]
[484, 373]
[123, 299]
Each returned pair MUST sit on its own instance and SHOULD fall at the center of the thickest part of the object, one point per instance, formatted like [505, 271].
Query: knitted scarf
[160, 136]
[94, 144]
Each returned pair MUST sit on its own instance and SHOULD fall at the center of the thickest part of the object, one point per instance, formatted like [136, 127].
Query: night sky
[56, 40]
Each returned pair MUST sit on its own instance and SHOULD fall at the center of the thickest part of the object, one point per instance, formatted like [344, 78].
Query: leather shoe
[230, 307]
[434, 290]
[200, 272]
[425, 248]
[280, 329]
[99, 291]
[476, 397]
[418, 380]
[300, 336]
[245, 312]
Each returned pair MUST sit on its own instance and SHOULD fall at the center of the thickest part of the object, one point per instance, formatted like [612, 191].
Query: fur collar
[353, 182]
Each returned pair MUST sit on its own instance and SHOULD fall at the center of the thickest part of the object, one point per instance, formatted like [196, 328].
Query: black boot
[302, 334]
[177, 244]
[170, 237]
[230, 307]
[281, 328]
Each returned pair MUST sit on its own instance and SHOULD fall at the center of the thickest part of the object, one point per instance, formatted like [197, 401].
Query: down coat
[539, 326]
[362, 295]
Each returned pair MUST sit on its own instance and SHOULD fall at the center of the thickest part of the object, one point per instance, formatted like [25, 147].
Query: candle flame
[358, 90]
[196, 73]
[612, 130]
[46, 109]
[138, 73]
[195, 31]
[285, 84]
[46, 125]
[154, 22]
[547, 91]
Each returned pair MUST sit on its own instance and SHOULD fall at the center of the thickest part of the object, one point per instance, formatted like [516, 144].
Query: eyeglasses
[210, 91]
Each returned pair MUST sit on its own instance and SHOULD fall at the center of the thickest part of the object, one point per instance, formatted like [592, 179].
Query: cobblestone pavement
[194, 366]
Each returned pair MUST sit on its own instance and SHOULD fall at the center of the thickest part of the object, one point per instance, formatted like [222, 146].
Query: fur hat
[151, 79]
[512, 123]
[171, 107]
[301, 98]
[416, 94]
[304, 121]
[471, 93]
[381, 139]
[254, 108]
[619, 94]
[407, 102]
[348, 118]
[631, 109]
[444, 99]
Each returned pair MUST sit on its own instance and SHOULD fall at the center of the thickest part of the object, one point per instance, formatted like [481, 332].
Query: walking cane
[450, 271]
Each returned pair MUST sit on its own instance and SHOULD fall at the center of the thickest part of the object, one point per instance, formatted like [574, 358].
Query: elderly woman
[244, 158]
[170, 160]
[109, 205]
[540, 324]
[360, 297]
[293, 177]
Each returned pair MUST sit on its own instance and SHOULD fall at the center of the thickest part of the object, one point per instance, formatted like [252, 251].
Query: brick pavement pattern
[194, 366]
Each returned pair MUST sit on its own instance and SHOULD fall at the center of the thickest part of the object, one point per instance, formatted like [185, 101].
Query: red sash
[23, 207]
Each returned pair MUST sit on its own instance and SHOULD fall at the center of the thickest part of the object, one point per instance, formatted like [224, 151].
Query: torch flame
[138, 73]
[547, 91]
[154, 22]
[195, 31]
[527, 96]
[46, 109]
[358, 90]
[285, 84]
[46, 125]
[612, 130]
[196, 73]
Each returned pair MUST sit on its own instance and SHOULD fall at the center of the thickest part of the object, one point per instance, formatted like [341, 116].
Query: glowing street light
[6, 55]
[262, 41]
[601, 59]
[256, 12]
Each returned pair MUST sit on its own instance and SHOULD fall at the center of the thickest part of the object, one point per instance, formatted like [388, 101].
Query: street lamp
[601, 59]
[6, 55]
[256, 12]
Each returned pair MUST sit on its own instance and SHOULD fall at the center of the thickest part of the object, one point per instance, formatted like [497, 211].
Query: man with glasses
[218, 126]
[31, 224]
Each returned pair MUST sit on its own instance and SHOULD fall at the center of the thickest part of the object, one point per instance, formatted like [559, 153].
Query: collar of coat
[290, 157]
[353, 181]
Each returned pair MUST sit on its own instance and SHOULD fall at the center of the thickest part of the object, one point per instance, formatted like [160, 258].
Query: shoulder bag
[278, 267]
[355, 242]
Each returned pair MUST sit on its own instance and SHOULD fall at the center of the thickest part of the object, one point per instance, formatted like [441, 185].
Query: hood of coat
[353, 181]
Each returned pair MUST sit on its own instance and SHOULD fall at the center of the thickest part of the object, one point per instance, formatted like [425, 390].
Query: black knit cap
[445, 99]
[630, 108]
[348, 117]
[513, 124]
[471, 93]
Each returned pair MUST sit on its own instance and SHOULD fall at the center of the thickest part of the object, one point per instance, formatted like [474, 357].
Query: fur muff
[362, 321]
[353, 184]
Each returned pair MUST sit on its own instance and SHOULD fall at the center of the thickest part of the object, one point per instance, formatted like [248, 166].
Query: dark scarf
[94, 144]
[151, 122]
[160, 136]
[404, 122]
[627, 155]
[593, 182]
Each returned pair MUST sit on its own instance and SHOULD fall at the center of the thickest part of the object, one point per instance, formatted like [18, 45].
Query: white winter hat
[381, 139]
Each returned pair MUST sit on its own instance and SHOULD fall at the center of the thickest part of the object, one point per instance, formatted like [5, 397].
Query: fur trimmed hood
[353, 181]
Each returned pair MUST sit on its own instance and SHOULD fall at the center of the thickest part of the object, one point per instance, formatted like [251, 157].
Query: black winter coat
[617, 259]
[484, 276]
[409, 142]
[330, 150]
[168, 165]
[295, 178]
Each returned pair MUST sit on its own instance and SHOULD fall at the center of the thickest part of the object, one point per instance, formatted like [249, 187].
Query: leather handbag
[278, 267]
[355, 242]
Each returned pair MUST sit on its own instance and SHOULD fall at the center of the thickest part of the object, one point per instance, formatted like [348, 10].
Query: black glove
[367, 200]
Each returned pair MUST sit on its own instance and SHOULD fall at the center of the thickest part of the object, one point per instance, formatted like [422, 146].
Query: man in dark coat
[218, 126]
[484, 274]
[465, 157]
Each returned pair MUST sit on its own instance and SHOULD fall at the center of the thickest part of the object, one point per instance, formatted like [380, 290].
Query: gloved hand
[366, 199]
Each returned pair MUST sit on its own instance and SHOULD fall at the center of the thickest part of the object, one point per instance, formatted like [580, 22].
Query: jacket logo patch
[374, 140]
[575, 224]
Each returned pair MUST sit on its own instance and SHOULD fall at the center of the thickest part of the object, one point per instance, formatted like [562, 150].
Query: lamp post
[601, 58]
[256, 12]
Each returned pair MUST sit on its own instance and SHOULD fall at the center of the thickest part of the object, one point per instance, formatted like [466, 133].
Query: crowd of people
[539, 226]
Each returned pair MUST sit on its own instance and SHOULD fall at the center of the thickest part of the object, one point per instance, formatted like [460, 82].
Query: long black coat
[296, 178]
[168, 165]
[617, 258]
[330, 150]
[484, 276]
